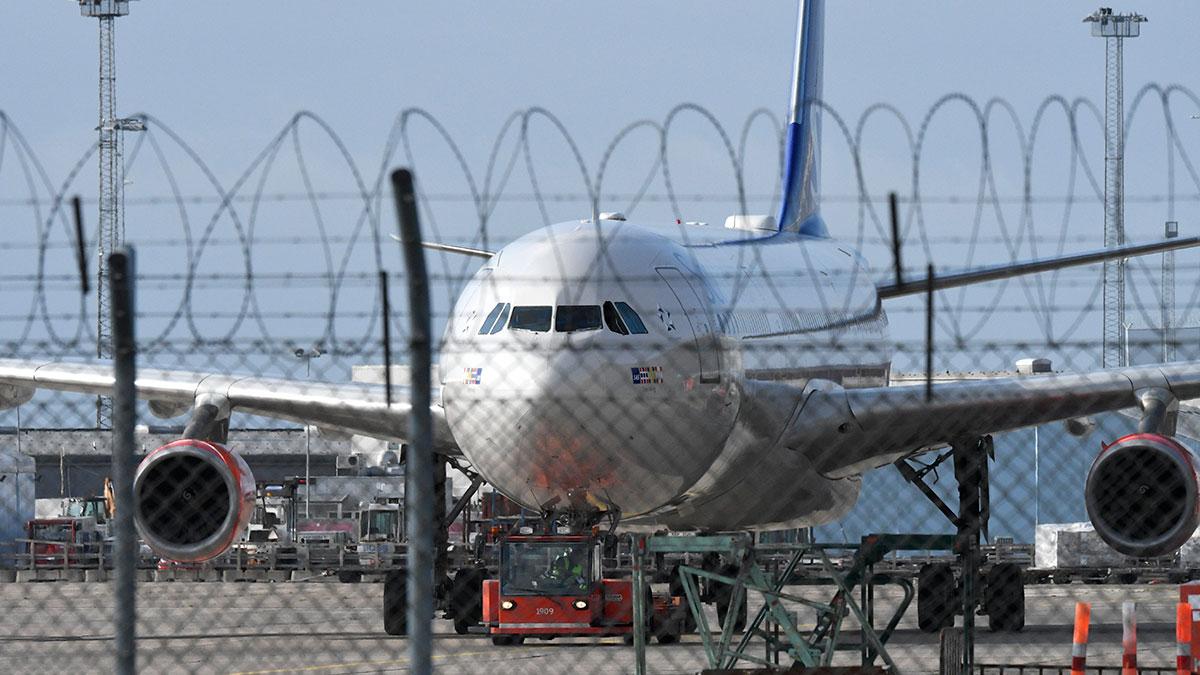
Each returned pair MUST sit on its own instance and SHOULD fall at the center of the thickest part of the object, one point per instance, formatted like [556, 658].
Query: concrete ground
[336, 628]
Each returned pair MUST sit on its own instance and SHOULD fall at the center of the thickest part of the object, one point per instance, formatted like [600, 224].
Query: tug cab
[552, 585]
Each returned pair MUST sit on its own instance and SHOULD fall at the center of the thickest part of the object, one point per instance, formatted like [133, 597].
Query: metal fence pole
[639, 605]
[120, 272]
[418, 472]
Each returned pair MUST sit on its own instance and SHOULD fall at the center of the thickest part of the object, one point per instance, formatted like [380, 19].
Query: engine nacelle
[192, 499]
[1143, 495]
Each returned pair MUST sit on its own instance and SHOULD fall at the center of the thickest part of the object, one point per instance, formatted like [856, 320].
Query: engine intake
[1143, 495]
[192, 499]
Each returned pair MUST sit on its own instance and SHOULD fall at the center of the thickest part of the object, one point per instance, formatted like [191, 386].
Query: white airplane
[684, 376]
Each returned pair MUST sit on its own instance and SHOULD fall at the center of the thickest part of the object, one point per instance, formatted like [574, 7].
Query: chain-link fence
[673, 447]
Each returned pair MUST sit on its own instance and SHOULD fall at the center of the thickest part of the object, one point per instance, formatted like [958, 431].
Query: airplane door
[697, 316]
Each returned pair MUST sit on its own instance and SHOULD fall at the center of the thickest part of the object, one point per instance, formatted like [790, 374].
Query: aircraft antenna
[1114, 28]
[110, 233]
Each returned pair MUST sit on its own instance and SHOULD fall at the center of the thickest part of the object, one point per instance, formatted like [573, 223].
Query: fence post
[639, 604]
[418, 470]
[120, 273]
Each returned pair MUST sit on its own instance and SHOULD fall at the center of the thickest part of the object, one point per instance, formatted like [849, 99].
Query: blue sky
[228, 75]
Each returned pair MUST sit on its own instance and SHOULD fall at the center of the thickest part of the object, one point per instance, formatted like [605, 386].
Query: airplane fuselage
[560, 398]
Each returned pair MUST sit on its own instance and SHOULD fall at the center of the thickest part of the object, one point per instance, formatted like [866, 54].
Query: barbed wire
[235, 233]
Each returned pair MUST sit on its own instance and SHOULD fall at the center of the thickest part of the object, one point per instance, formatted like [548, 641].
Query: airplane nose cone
[560, 430]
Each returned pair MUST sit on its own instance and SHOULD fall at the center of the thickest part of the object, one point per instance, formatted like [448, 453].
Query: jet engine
[1142, 495]
[191, 499]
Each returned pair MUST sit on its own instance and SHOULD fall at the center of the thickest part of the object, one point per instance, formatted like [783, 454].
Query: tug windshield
[546, 568]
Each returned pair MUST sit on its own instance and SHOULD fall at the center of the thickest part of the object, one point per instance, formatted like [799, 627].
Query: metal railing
[46, 554]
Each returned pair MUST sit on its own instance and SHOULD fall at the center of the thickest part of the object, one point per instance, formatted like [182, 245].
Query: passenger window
[632, 320]
[571, 318]
[494, 323]
[613, 319]
[535, 318]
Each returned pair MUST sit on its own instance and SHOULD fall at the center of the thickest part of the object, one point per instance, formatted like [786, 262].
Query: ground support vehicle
[380, 536]
[60, 543]
[553, 585]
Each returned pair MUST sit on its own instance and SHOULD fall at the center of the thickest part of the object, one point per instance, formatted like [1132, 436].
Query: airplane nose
[556, 428]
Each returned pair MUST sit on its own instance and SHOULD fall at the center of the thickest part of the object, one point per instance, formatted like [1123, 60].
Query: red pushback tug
[551, 585]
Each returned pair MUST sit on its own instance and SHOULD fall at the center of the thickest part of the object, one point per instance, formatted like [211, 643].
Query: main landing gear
[940, 595]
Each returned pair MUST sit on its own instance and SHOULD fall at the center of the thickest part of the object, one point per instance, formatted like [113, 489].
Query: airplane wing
[350, 407]
[1004, 271]
[451, 248]
[872, 427]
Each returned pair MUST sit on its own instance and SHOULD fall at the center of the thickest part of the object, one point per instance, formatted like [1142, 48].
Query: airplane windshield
[494, 323]
[632, 320]
[621, 319]
[531, 318]
[613, 319]
[571, 318]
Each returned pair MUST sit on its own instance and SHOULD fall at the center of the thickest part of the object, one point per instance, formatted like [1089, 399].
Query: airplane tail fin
[798, 210]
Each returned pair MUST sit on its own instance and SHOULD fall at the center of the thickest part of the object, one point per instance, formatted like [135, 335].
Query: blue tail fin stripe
[798, 210]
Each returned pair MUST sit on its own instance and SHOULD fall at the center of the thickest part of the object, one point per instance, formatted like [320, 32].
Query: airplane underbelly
[783, 492]
[757, 482]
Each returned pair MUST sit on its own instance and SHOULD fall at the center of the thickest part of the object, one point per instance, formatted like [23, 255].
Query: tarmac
[266, 628]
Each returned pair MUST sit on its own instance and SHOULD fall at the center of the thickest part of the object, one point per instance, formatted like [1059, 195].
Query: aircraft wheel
[936, 595]
[395, 603]
[724, 595]
[681, 612]
[950, 650]
[1005, 598]
[675, 581]
[466, 598]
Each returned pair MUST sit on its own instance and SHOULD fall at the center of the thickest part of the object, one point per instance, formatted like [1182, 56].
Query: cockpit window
[613, 320]
[571, 318]
[494, 323]
[620, 318]
[632, 320]
[536, 318]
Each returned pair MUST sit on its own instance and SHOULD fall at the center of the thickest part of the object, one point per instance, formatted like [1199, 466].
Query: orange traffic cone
[1129, 639]
[1083, 615]
[1183, 639]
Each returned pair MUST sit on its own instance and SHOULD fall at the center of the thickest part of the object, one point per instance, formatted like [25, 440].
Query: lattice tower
[1114, 28]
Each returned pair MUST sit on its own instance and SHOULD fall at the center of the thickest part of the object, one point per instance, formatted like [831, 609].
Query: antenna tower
[110, 232]
[1114, 28]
